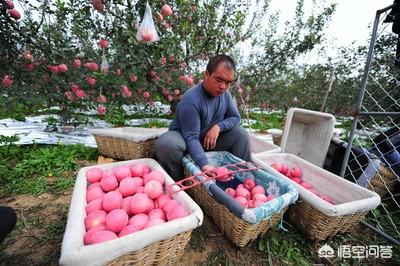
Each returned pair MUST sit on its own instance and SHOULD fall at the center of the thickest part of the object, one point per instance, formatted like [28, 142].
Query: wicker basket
[165, 252]
[277, 140]
[383, 181]
[124, 149]
[159, 245]
[316, 218]
[237, 230]
[326, 226]
[241, 225]
[126, 143]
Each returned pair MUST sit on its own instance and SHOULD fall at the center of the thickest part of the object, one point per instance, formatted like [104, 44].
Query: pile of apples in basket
[249, 195]
[296, 175]
[126, 199]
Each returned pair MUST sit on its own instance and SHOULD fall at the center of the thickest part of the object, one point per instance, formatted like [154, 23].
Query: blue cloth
[197, 112]
[286, 193]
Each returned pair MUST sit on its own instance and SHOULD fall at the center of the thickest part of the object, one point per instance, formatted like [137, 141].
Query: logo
[326, 251]
[359, 252]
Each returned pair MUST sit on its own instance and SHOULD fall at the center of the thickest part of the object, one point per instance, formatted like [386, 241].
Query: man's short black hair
[220, 59]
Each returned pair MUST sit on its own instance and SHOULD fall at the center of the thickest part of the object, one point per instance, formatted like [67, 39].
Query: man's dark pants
[171, 148]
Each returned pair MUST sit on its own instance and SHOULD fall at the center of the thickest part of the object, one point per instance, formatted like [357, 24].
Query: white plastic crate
[307, 134]
[259, 145]
[348, 197]
[74, 252]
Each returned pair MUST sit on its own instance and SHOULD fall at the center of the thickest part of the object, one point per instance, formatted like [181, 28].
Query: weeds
[18, 109]
[289, 247]
[154, 123]
[217, 258]
[292, 248]
[116, 116]
[55, 230]
[266, 121]
[27, 169]
[198, 238]
[33, 221]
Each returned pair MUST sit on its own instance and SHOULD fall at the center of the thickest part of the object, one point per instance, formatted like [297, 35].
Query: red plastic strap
[192, 181]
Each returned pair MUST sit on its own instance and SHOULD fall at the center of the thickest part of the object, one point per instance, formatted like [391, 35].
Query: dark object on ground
[8, 218]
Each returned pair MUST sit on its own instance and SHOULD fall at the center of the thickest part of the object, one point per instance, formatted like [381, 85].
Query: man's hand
[210, 140]
[208, 170]
[212, 171]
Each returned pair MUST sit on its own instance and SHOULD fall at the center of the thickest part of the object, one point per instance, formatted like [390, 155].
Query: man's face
[219, 81]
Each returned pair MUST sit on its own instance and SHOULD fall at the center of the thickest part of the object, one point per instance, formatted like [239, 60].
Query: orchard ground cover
[37, 180]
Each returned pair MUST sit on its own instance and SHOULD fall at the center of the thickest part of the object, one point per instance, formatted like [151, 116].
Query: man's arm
[189, 121]
[232, 116]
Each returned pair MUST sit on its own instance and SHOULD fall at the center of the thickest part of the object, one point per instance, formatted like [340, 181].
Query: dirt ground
[37, 237]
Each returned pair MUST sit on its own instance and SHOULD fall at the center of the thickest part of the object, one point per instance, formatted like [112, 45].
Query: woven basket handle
[192, 181]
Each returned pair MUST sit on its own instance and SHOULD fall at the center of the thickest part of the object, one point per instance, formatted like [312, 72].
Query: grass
[33, 221]
[197, 239]
[55, 230]
[154, 123]
[288, 247]
[292, 248]
[385, 218]
[265, 121]
[216, 258]
[34, 169]
[18, 109]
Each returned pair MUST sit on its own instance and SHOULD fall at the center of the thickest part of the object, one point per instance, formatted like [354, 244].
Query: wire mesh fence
[373, 156]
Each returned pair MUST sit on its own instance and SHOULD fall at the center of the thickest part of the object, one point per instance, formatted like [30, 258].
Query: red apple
[249, 184]
[62, 68]
[258, 190]
[277, 167]
[91, 81]
[7, 81]
[14, 14]
[103, 43]
[231, 192]
[166, 10]
[147, 34]
[327, 199]
[9, 4]
[242, 192]
[133, 77]
[77, 63]
[242, 201]
[146, 94]
[296, 172]
[94, 219]
[80, 94]
[101, 109]
[285, 168]
[53, 69]
[98, 5]
[101, 99]
[93, 66]
[306, 185]
[222, 174]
